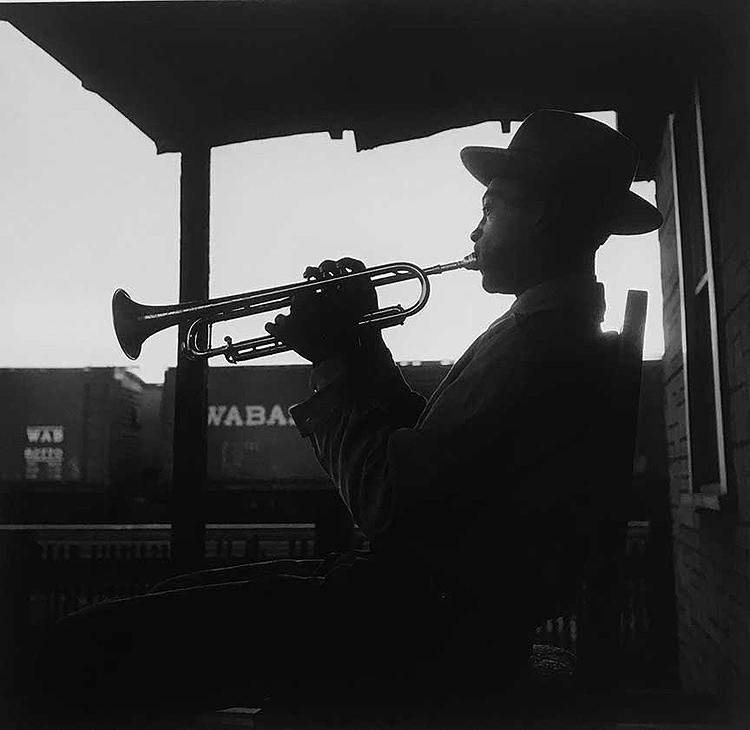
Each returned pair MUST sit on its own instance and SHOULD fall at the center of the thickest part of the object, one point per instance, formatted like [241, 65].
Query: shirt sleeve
[387, 464]
[367, 376]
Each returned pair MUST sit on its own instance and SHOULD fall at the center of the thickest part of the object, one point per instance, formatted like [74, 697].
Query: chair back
[601, 600]
[627, 381]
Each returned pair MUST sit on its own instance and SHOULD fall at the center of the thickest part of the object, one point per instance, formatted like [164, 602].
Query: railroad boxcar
[259, 467]
[251, 436]
[71, 441]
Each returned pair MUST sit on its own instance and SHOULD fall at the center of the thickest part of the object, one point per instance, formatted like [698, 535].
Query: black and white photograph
[375, 365]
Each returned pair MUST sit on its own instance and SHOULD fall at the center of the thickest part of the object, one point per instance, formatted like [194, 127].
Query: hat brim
[633, 215]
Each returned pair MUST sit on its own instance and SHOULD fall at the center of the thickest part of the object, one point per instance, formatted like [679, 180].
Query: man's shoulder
[557, 329]
[572, 345]
[502, 339]
[549, 339]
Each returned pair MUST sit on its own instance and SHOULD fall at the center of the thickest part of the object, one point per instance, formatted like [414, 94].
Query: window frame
[702, 495]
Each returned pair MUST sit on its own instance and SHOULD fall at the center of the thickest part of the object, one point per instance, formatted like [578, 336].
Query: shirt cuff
[314, 411]
[327, 373]
[369, 372]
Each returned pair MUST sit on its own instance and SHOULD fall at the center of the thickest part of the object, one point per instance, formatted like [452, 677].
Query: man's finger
[312, 272]
[350, 264]
[329, 268]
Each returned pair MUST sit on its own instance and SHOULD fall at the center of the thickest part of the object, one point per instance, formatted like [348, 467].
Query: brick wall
[712, 547]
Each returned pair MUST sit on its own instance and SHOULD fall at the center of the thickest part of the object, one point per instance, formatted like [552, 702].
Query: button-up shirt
[482, 474]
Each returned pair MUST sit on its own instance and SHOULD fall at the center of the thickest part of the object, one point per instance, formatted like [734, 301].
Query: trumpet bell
[130, 333]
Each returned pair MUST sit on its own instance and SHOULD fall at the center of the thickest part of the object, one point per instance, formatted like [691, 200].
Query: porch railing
[56, 569]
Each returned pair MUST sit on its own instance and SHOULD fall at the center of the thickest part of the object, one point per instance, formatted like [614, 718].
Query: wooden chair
[600, 603]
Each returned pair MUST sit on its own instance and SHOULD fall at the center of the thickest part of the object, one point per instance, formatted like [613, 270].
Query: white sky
[86, 206]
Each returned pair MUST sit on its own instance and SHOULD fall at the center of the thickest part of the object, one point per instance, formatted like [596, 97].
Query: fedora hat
[579, 158]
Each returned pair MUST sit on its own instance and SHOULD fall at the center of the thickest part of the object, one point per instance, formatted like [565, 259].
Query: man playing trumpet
[473, 495]
[472, 502]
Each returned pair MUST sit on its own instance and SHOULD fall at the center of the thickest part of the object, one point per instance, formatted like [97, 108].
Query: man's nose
[476, 234]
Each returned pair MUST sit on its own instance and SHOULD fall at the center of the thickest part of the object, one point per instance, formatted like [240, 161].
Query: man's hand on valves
[323, 323]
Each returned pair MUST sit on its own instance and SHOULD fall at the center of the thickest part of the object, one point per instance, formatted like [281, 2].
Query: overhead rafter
[220, 72]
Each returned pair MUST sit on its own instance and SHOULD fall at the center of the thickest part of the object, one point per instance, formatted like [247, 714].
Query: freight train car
[251, 436]
[94, 444]
[259, 467]
[71, 442]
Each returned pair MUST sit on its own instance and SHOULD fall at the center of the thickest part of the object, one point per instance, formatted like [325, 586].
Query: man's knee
[249, 571]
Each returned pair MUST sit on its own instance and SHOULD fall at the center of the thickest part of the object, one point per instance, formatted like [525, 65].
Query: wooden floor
[569, 709]
[623, 710]
[253, 719]
[259, 721]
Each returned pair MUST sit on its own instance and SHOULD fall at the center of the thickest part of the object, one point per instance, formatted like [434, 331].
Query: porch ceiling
[219, 72]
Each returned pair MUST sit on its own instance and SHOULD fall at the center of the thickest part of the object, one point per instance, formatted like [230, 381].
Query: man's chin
[492, 285]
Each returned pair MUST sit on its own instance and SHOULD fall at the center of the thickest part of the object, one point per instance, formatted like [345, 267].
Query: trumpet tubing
[134, 322]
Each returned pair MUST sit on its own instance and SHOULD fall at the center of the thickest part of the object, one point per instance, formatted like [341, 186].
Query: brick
[712, 560]
[743, 535]
[740, 458]
[691, 538]
[735, 278]
[678, 473]
[742, 488]
[738, 416]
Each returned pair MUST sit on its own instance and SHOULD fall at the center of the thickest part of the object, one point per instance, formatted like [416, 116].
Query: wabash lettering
[232, 415]
[45, 434]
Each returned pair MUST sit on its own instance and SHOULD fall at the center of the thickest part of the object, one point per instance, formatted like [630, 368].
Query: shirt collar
[579, 292]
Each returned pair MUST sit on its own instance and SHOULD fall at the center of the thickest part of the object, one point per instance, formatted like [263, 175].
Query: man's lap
[233, 574]
[213, 636]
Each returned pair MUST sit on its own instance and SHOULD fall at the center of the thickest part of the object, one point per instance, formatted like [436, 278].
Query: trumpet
[134, 322]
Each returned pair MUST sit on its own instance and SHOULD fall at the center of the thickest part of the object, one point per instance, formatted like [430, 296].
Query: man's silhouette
[471, 501]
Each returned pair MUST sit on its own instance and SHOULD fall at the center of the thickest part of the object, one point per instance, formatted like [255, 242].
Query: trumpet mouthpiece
[470, 262]
[467, 262]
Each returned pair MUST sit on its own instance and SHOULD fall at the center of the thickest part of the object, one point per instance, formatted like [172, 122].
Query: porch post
[189, 445]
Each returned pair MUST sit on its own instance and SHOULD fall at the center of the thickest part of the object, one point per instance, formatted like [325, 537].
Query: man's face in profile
[505, 238]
